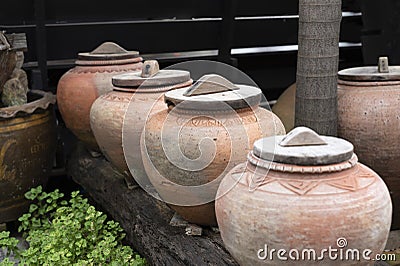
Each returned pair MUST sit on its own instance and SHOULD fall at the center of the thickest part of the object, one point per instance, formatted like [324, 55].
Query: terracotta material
[108, 112]
[28, 141]
[90, 78]
[284, 107]
[202, 118]
[369, 117]
[287, 206]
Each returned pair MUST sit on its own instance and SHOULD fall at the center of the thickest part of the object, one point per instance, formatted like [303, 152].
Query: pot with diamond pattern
[299, 192]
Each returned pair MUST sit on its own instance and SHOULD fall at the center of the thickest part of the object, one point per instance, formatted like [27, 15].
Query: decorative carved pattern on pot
[369, 117]
[269, 202]
[134, 97]
[207, 130]
[90, 78]
[28, 138]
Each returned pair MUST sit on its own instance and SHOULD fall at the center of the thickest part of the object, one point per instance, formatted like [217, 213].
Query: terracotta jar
[28, 139]
[137, 95]
[90, 78]
[369, 117]
[284, 107]
[207, 130]
[303, 192]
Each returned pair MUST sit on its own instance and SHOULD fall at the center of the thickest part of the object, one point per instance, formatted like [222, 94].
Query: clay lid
[214, 92]
[151, 76]
[302, 146]
[108, 51]
[382, 72]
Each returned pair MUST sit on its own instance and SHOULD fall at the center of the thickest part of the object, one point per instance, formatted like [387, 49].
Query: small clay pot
[28, 139]
[90, 78]
[212, 118]
[302, 192]
[134, 97]
[369, 117]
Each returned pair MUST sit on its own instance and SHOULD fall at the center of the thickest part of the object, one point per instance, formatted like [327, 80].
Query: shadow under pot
[28, 139]
[303, 192]
[90, 78]
[369, 117]
[118, 117]
[207, 130]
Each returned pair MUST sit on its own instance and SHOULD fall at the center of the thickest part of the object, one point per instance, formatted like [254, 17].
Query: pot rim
[44, 102]
[371, 83]
[108, 62]
[369, 73]
[303, 169]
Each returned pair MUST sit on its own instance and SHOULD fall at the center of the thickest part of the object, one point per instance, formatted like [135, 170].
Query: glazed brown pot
[177, 141]
[369, 117]
[108, 117]
[28, 141]
[90, 78]
[303, 197]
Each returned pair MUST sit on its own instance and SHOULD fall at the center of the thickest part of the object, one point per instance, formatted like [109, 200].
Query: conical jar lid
[382, 72]
[151, 76]
[108, 51]
[303, 146]
[214, 92]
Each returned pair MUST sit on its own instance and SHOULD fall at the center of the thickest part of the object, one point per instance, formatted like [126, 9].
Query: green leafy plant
[70, 232]
[8, 246]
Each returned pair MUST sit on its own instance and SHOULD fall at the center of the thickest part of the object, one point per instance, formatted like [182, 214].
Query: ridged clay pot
[303, 192]
[134, 97]
[207, 130]
[90, 78]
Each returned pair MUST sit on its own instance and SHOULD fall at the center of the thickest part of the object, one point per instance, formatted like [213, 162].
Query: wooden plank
[145, 219]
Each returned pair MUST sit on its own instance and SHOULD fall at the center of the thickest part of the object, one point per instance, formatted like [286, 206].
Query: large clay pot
[369, 117]
[90, 78]
[28, 142]
[303, 192]
[284, 107]
[137, 97]
[208, 129]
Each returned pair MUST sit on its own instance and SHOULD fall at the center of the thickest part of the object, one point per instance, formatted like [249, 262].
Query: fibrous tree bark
[317, 65]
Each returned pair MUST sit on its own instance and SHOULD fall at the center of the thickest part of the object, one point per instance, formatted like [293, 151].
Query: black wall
[57, 30]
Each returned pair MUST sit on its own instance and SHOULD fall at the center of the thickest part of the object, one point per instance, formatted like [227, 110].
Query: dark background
[178, 30]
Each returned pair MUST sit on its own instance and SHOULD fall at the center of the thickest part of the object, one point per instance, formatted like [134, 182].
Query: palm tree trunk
[317, 65]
